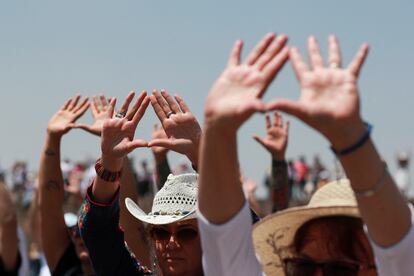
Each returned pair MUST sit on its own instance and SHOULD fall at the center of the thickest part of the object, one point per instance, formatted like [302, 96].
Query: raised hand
[62, 121]
[181, 127]
[118, 133]
[100, 112]
[329, 100]
[276, 139]
[237, 93]
[158, 133]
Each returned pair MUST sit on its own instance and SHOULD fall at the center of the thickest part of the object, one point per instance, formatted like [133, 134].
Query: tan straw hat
[274, 235]
[175, 201]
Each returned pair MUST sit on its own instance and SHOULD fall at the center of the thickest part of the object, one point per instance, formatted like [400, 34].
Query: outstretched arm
[329, 103]
[54, 235]
[275, 142]
[180, 125]
[8, 231]
[234, 97]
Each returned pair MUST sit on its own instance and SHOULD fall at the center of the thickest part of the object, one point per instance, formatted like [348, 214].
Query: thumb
[288, 106]
[260, 140]
[81, 126]
[165, 143]
[138, 143]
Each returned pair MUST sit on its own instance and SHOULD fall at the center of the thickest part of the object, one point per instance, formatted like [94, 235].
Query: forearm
[50, 174]
[162, 169]
[9, 242]
[220, 192]
[279, 184]
[386, 207]
[104, 191]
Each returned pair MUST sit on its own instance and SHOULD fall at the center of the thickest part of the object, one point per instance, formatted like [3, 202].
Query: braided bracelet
[104, 174]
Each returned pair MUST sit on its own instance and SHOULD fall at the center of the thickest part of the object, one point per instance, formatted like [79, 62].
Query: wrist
[347, 135]
[160, 157]
[112, 163]
[278, 156]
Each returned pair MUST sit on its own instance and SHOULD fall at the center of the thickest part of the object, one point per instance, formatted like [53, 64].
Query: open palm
[237, 93]
[329, 100]
[118, 133]
[62, 121]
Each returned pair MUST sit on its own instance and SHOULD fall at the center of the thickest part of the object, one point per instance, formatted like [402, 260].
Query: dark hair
[345, 236]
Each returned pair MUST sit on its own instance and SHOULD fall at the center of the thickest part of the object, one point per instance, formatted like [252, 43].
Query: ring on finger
[169, 114]
[334, 65]
[120, 115]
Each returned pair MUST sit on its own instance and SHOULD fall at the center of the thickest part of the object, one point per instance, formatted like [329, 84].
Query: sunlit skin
[317, 248]
[177, 257]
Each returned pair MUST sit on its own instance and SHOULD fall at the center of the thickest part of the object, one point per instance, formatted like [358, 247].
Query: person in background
[402, 175]
[275, 142]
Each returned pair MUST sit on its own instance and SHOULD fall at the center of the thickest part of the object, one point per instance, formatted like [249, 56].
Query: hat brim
[273, 236]
[139, 214]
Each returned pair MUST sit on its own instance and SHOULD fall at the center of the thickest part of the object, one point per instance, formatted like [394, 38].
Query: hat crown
[178, 196]
[336, 193]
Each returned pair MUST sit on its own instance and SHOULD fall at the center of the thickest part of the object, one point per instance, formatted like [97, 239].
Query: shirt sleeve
[228, 248]
[397, 259]
[104, 239]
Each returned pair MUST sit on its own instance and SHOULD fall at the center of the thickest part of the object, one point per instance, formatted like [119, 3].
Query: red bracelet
[104, 174]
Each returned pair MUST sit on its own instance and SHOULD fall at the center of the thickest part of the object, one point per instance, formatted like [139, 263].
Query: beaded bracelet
[104, 174]
[357, 145]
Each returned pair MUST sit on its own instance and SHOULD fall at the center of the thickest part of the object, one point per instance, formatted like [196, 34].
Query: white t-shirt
[228, 249]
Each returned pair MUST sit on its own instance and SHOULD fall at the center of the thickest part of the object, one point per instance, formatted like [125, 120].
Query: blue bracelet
[358, 144]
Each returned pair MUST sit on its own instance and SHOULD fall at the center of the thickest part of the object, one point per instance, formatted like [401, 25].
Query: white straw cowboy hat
[273, 236]
[175, 201]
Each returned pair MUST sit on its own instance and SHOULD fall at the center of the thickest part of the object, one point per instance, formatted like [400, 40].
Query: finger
[271, 51]
[280, 120]
[234, 58]
[359, 59]
[127, 101]
[74, 102]
[260, 48]
[298, 64]
[81, 126]
[163, 104]
[66, 105]
[268, 122]
[165, 143]
[288, 106]
[111, 107]
[183, 106]
[273, 67]
[260, 140]
[82, 111]
[141, 111]
[94, 111]
[173, 104]
[286, 126]
[81, 105]
[97, 104]
[314, 53]
[137, 143]
[276, 119]
[157, 109]
[104, 102]
[136, 105]
[334, 52]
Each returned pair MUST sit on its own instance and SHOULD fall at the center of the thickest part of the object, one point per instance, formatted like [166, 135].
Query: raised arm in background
[8, 231]
[131, 226]
[162, 167]
[330, 103]
[180, 125]
[234, 97]
[54, 234]
[275, 142]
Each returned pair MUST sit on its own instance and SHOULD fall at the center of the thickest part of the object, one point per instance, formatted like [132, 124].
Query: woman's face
[178, 248]
[338, 252]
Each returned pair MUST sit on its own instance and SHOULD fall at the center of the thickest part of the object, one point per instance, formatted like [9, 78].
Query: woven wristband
[104, 174]
[358, 144]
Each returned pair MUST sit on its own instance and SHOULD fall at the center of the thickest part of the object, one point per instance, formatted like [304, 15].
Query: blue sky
[49, 50]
